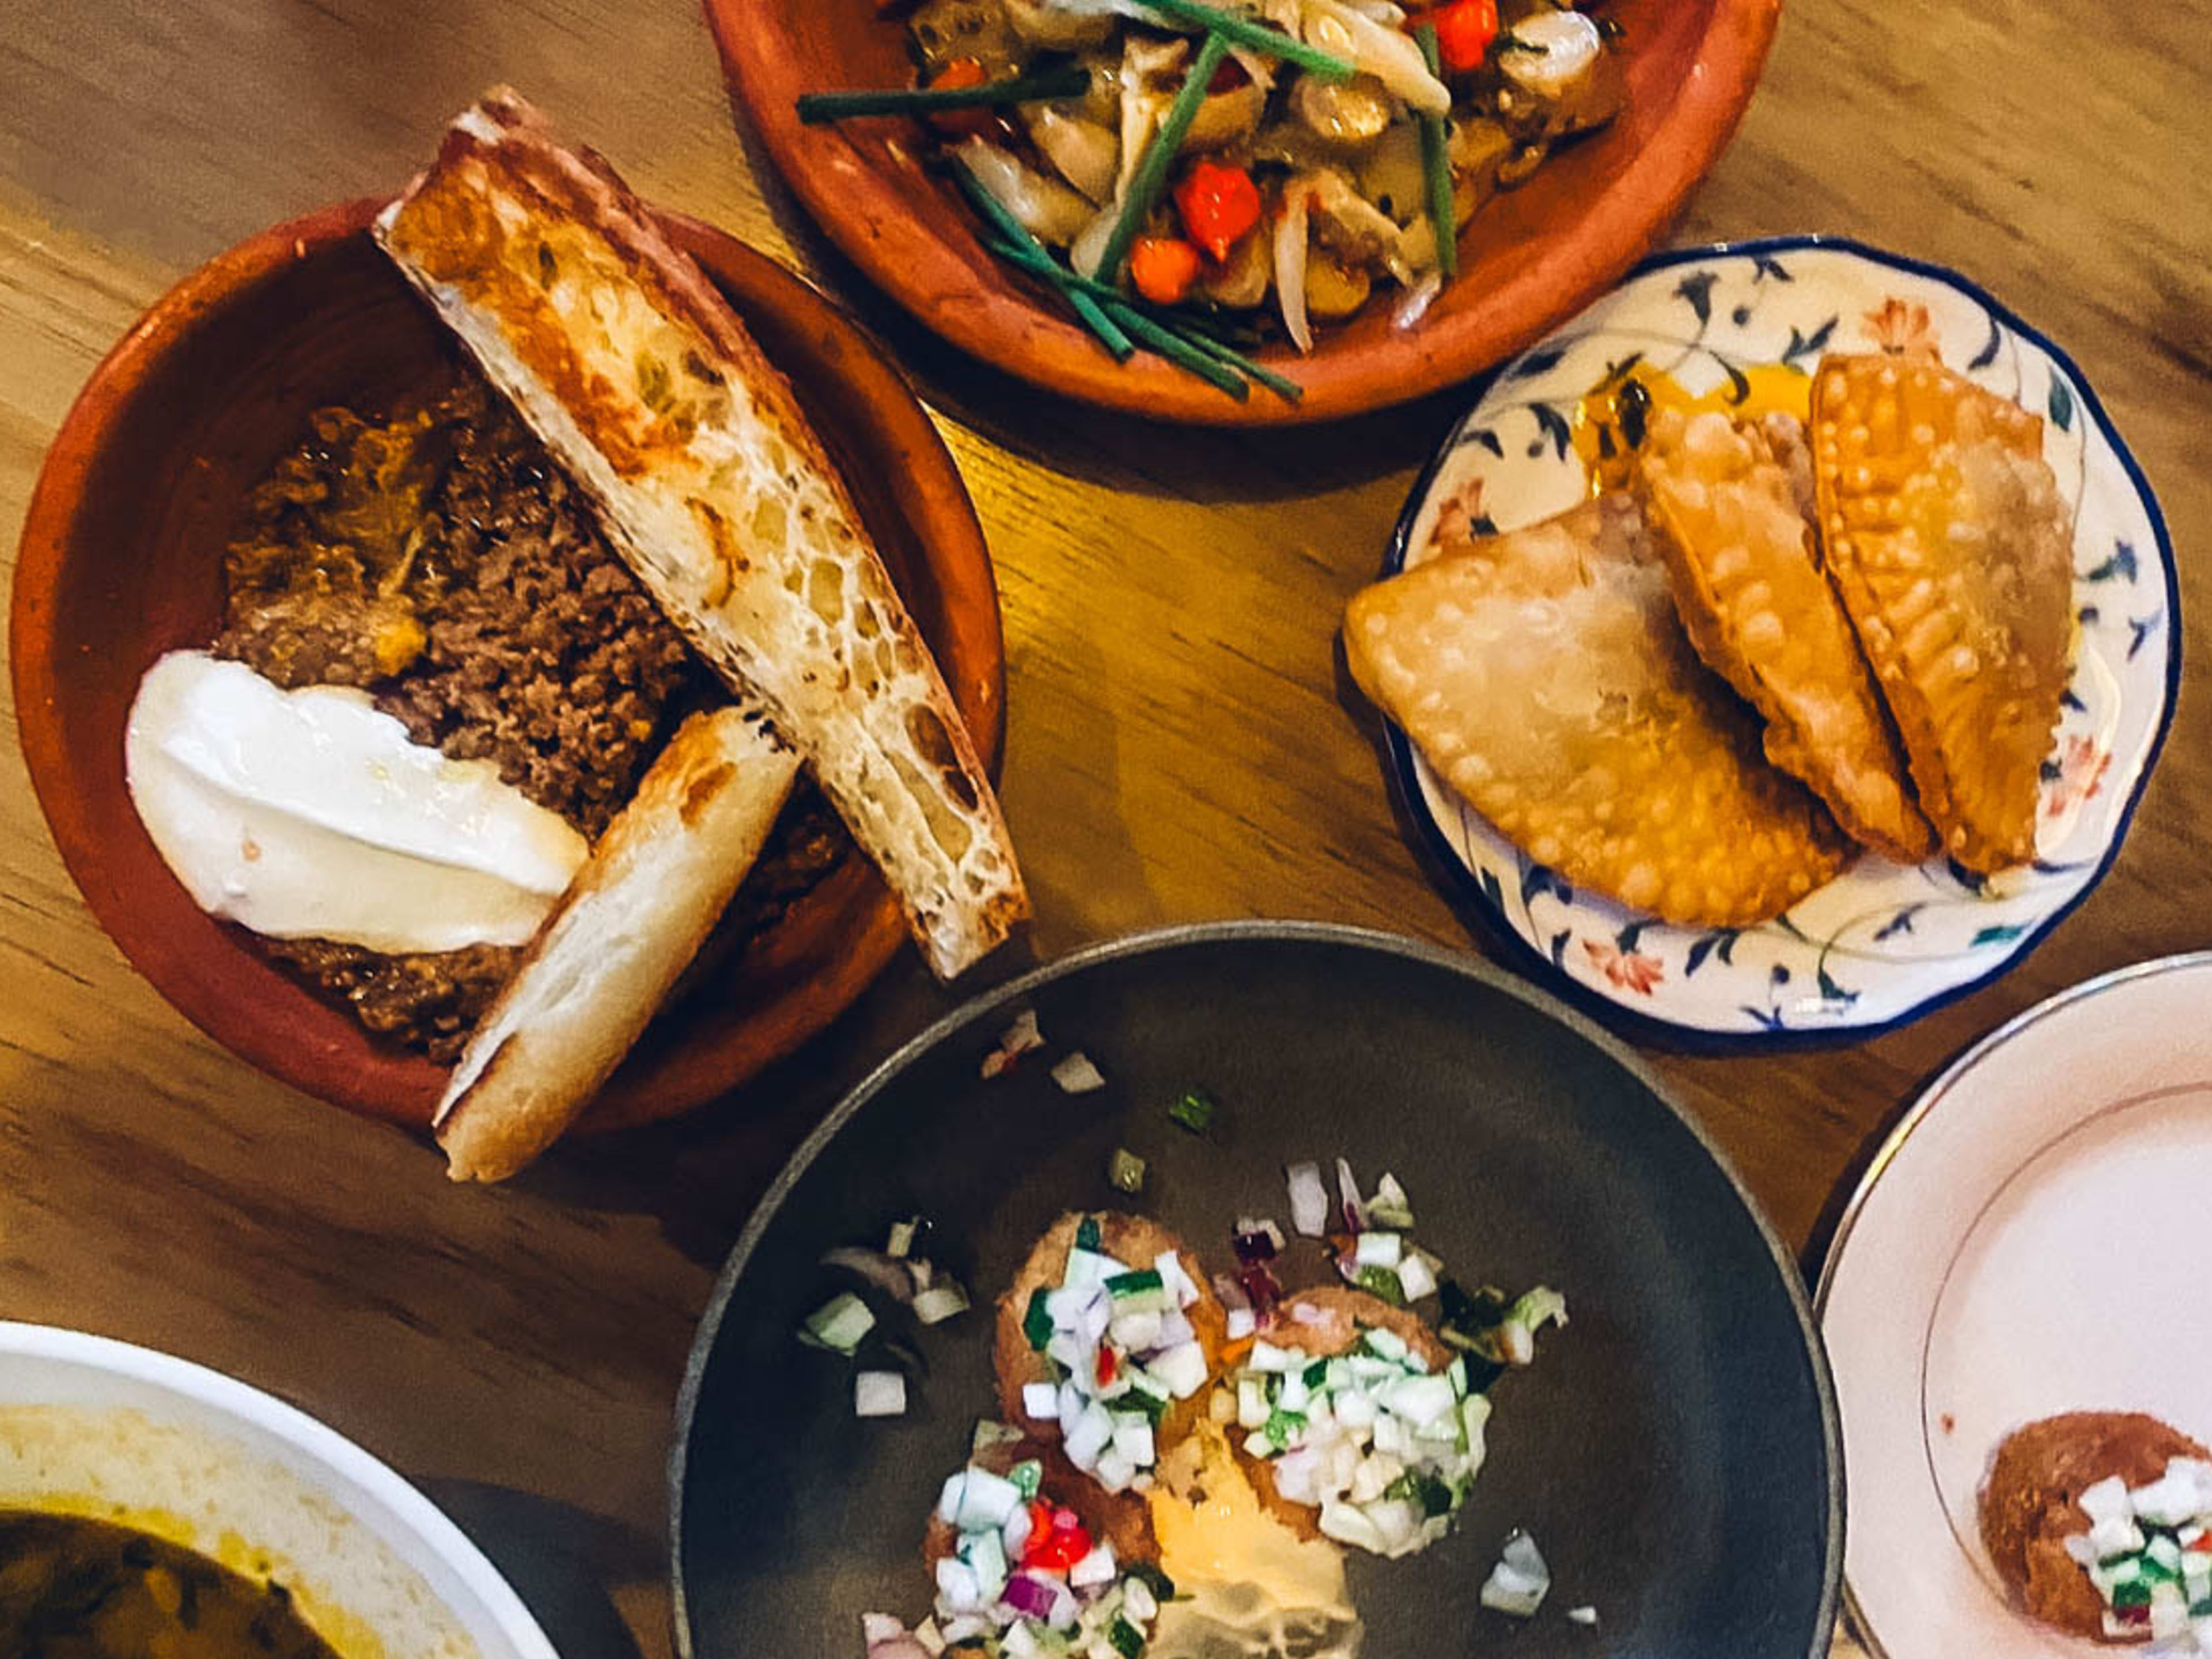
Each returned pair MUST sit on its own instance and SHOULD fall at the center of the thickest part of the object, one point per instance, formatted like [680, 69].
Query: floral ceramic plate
[1881, 944]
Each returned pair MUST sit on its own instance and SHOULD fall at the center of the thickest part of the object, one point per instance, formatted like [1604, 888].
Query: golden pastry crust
[1725, 500]
[1953, 552]
[1545, 675]
[2031, 1504]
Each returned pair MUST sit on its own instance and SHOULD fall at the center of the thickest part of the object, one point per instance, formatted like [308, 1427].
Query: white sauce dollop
[310, 814]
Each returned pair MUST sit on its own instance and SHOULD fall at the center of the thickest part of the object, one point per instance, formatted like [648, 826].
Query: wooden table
[1181, 745]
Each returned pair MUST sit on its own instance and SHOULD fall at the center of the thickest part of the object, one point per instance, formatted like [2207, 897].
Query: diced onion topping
[878, 1393]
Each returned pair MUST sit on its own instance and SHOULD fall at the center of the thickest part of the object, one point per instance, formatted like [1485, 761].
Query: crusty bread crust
[1138, 1240]
[634, 914]
[1342, 1312]
[2031, 1504]
[715, 489]
[1123, 1519]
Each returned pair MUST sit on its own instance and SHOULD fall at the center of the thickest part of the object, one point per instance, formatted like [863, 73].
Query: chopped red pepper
[1163, 268]
[1056, 1541]
[2203, 1546]
[1107, 1366]
[1218, 204]
[1465, 29]
[956, 77]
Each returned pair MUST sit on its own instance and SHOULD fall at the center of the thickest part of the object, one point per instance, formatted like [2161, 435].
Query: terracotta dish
[1530, 257]
[121, 560]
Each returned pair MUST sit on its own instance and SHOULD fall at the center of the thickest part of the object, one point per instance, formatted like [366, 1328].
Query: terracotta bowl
[1530, 258]
[121, 560]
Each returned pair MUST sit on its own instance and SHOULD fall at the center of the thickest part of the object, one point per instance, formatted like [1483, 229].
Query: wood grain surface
[1183, 744]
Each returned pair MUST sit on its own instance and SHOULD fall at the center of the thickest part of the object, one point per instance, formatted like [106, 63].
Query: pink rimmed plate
[2030, 1241]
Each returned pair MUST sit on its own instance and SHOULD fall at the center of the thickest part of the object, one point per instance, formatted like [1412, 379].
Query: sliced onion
[1290, 266]
[1309, 1199]
[1030, 1597]
[1520, 1581]
[1046, 208]
[940, 1303]
[1417, 301]
[1384, 52]
[1347, 1191]
[878, 1393]
[893, 1277]
[1076, 1075]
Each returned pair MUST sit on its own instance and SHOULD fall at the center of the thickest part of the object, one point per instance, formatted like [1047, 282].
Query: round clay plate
[121, 560]
[1671, 1449]
[1881, 944]
[1529, 258]
[2030, 1241]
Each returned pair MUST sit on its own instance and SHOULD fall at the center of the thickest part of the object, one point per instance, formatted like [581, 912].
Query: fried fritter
[1122, 1519]
[1324, 1322]
[1731, 502]
[1951, 548]
[1135, 1239]
[2030, 1504]
[1545, 675]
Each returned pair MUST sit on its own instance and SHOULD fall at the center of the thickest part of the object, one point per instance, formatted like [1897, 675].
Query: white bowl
[94, 1427]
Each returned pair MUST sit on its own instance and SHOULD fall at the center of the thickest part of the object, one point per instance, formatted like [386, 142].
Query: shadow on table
[561, 1562]
[1121, 452]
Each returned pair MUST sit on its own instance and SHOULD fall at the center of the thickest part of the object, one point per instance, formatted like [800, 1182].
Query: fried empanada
[1950, 546]
[1544, 676]
[1731, 502]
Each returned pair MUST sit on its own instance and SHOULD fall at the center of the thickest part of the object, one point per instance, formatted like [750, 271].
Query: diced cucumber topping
[1086, 1233]
[1383, 1345]
[1027, 1476]
[838, 1324]
[1037, 1321]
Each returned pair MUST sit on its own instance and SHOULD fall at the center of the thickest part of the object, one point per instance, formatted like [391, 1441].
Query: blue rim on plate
[2002, 946]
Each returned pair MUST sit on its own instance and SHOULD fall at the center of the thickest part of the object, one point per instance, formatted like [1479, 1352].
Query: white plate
[1881, 944]
[2032, 1240]
[91, 1426]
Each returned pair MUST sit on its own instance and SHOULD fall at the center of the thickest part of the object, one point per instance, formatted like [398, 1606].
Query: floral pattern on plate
[1881, 944]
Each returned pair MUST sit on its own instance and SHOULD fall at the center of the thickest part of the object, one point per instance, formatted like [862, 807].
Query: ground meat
[429, 999]
[438, 558]
[441, 560]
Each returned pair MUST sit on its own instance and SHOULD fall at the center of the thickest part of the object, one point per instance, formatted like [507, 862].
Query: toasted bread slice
[635, 914]
[715, 489]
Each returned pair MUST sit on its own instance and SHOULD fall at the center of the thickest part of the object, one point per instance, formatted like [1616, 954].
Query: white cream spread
[311, 814]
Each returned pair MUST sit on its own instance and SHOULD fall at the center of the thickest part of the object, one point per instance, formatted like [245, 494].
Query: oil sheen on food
[1248, 1587]
[71, 1587]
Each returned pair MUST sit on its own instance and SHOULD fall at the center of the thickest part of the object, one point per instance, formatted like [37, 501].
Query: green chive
[1129, 1641]
[1243, 31]
[1135, 1282]
[1435, 164]
[1033, 257]
[1152, 174]
[1177, 350]
[1194, 1111]
[1069, 80]
[1281, 385]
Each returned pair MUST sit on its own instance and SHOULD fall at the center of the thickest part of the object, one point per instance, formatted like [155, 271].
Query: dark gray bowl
[1675, 1450]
